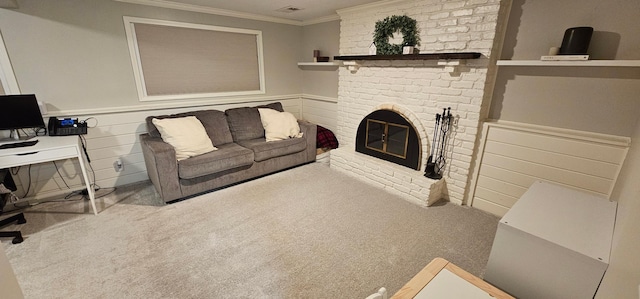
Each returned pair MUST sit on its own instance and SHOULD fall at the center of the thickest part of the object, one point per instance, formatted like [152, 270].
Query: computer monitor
[19, 112]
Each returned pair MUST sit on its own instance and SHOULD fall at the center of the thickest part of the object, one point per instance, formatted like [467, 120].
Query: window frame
[130, 22]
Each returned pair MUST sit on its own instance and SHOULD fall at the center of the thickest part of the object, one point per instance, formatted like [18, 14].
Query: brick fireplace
[417, 90]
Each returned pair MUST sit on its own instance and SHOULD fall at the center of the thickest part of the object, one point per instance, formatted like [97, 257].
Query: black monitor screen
[20, 112]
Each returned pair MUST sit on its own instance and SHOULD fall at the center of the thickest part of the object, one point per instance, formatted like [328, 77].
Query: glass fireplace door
[387, 137]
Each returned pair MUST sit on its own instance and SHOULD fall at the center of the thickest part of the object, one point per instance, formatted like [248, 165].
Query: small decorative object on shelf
[318, 58]
[575, 44]
[372, 49]
[410, 50]
[565, 58]
[576, 41]
[387, 27]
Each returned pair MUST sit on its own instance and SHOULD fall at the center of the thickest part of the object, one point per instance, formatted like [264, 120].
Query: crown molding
[367, 6]
[321, 20]
[225, 12]
[211, 10]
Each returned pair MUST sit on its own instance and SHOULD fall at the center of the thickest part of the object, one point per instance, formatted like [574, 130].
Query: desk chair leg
[16, 235]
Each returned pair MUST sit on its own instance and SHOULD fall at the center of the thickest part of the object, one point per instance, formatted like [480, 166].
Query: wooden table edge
[420, 280]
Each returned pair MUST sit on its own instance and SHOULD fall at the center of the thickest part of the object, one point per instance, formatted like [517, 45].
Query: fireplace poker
[430, 168]
[441, 161]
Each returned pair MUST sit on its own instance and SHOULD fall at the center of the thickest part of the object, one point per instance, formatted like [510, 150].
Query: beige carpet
[308, 232]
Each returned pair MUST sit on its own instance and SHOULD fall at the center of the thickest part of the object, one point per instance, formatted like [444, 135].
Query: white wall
[320, 84]
[74, 55]
[622, 279]
[320, 81]
[601, 100]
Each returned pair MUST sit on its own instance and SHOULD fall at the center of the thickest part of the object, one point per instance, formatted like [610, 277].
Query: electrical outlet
[118, 166]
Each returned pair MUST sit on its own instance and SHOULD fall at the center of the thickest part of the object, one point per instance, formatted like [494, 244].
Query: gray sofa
[242, 154]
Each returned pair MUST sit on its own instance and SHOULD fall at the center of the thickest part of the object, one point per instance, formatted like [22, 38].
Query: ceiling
[309, 10]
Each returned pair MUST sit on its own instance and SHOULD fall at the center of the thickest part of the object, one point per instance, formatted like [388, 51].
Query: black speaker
[576, 41]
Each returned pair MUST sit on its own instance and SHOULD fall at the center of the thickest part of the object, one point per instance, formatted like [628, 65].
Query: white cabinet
[553, 243]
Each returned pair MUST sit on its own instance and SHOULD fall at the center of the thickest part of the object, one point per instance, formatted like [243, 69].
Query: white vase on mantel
[408, 49]
[372, 49]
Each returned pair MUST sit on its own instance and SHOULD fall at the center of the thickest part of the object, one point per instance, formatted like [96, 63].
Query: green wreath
[387, 27]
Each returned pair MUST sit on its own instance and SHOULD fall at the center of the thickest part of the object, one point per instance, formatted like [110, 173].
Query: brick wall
[418, 89]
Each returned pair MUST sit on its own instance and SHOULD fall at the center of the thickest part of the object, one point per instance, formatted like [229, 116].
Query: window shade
[184, 61]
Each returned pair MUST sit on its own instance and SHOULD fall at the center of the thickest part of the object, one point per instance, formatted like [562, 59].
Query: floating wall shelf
[598, 63]
[324, 64]
[429, 56]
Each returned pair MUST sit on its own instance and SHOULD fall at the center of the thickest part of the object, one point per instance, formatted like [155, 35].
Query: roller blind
[183, 62]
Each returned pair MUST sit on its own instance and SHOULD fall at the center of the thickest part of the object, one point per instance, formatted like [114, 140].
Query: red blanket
[326, 139]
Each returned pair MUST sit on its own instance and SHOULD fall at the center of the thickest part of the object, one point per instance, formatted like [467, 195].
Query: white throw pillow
[279, 125]
[186, 134]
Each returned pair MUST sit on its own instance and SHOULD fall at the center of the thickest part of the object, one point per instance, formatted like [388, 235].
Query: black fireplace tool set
[437, 160]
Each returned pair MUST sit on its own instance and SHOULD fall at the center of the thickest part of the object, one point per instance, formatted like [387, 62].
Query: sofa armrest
[162, 166]
[309, 130]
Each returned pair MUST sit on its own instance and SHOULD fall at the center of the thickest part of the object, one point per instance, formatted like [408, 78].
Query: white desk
[49, 149]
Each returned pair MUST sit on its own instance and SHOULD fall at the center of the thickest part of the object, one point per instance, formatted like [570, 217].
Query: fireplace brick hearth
[418, 90]
[396, 179]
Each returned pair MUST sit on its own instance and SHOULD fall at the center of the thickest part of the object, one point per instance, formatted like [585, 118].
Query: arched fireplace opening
[387, 135]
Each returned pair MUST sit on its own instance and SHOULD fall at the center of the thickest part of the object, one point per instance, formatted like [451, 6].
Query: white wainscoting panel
[111, 136]
[320, 110]
[514, 155]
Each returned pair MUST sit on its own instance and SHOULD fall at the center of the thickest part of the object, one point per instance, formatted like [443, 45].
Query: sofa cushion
[264, 150]
[245, 122]
[228, 156]
[214, 122]
[186, 135]
[279, 125]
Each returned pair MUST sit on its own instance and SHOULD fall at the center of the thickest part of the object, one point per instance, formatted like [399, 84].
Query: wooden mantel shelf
[429, 56]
